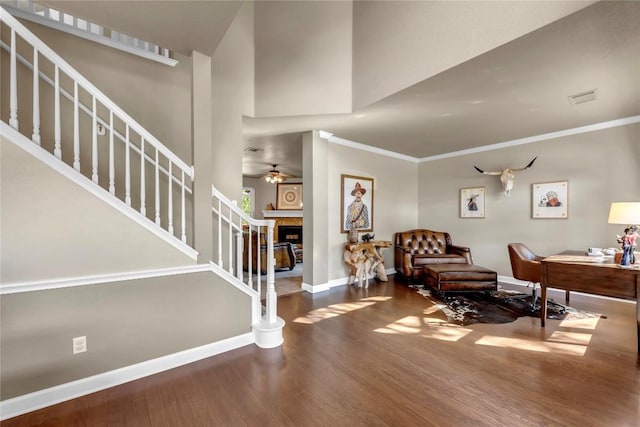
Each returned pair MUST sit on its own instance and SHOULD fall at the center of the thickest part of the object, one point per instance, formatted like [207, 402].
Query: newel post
[268, 332]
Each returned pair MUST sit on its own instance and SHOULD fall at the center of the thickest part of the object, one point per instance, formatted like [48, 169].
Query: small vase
[353, 234]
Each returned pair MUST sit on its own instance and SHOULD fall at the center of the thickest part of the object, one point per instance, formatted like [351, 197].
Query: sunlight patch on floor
[406, 325]
[376, 299]
[428, 328]
[588, 323]
[528, 345]
[445, 332]
[333, 310]
[571, 337]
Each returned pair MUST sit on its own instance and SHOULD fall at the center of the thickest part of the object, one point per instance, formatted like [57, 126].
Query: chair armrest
[462, 251]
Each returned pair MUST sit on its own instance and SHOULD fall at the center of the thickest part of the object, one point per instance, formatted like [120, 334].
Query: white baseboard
[40, 399]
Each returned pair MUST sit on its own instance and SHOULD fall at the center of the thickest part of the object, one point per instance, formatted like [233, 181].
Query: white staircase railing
[104, 143]
[232, 228]
[61, 21]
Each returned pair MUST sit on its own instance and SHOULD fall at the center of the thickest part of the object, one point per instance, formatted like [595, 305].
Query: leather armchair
[415, 248]
[283, 252]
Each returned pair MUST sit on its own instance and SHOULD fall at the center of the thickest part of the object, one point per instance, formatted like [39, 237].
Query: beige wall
[124, 322]
[601, 167]
[303, 57]
[232, 97]
[395, 199]
[386, 60]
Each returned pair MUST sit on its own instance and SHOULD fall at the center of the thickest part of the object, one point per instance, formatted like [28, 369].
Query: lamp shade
[627, 213]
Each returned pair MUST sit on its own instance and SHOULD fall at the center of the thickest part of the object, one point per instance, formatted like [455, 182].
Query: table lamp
[626, 213]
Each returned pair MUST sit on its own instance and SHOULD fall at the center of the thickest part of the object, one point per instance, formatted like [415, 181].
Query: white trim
[537, 138]
[90, 36]
[15, 288]
[67, 171]
[342, 281]
[358, 146]
[282, 214]
[30, 402]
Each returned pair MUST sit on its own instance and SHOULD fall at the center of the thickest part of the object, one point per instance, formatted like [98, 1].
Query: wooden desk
[591, 275]
[364, 261]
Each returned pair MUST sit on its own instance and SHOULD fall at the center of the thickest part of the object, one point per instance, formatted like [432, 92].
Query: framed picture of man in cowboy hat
[356, 206]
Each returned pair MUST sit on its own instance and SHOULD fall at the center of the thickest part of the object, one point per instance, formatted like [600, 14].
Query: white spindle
[219, 233]
[271, 297]
[76, 128]
[127, 167]
[239, 248]
[94, 143]
[57, 151]
[157, 188]
[170, 200]
[112, 166]
[183, 235]
[230, 240]
[143, 189]
[35, 136]
[13, 78]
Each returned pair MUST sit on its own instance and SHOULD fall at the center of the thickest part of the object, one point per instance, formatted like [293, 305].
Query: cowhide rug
[502, 306]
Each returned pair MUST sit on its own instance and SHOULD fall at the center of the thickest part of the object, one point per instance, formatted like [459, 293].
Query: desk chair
[526, 266]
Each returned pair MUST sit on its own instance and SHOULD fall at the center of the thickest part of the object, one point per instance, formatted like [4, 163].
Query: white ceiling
[517, 90]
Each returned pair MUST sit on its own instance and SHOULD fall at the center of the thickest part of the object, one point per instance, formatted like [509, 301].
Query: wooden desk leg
[543, 304]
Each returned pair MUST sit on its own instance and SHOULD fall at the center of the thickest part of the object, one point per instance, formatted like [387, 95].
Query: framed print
[289, 197]
[356, 205]
[472, 202]
[550, 200]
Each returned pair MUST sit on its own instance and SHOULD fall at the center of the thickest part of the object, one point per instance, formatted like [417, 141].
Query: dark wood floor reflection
[384, 356]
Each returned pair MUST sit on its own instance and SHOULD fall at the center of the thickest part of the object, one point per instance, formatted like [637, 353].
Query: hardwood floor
[385, 357]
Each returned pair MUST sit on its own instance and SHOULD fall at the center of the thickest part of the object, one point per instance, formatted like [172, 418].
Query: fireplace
[290, 233]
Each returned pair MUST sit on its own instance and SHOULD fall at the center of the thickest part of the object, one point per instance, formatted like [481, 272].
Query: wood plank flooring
[386, 357]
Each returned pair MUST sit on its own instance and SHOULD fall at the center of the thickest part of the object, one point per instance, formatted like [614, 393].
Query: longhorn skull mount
[507, 176]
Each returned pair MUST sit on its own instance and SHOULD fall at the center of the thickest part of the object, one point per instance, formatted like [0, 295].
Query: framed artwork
[289, 197]
[550, 200]
[356, 204]
[472, 202]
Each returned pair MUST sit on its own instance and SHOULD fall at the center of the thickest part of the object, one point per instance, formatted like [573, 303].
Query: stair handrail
[245, 227]
[182, 170]
[45, 50]
[86, 109]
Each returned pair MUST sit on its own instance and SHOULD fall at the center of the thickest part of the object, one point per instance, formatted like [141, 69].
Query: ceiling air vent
[581, 98]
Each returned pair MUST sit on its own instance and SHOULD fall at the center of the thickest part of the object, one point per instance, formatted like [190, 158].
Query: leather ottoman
[459, 278]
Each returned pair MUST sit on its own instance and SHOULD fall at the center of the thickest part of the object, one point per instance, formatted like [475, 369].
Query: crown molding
[497, 146]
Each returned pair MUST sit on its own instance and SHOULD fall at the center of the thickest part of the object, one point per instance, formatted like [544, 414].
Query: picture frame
[472, 202]
[550, 200]
[289, 197]
[351, 208]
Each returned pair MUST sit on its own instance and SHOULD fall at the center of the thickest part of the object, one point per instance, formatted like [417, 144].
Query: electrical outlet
[79, 345]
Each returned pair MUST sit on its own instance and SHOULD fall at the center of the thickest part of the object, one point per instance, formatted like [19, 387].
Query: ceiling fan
[274, 176]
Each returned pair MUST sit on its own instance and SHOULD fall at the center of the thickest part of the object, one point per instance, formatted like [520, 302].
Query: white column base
[268, 335]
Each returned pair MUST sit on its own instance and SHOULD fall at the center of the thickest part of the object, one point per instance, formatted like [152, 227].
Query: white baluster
[57, 150]
[157, 188]
[127, 166]
[112, 166]
[183, 235]
[35, 137]
[239, 247]
[76, 128]
[220, 233]
[143, 189]
[230, 240]
[170, 200]
[94, 144]
[13, 78]
[272, 297]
